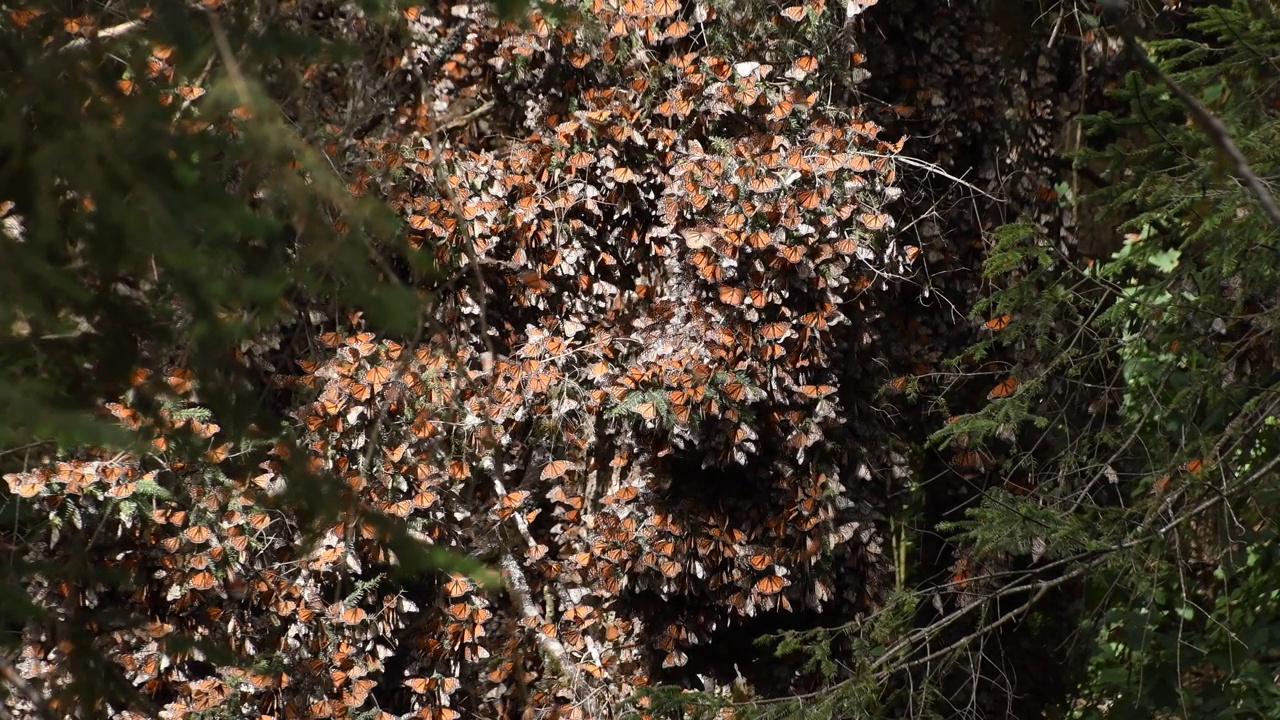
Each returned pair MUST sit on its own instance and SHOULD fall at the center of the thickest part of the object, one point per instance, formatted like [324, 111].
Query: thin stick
[104, 34]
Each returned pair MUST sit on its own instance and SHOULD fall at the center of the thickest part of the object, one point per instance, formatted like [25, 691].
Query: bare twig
[104, 34]
[199, 83]
[238, 80]
[518, 587]
[452, 122]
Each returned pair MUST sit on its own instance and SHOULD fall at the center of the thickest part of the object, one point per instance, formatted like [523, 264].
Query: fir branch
[1217, 131]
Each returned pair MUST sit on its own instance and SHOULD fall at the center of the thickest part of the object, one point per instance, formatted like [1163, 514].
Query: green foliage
[1198, 646]
[144, 231]
[1161, 494]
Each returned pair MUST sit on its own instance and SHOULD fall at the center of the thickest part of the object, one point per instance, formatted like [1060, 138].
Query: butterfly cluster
[633, 384]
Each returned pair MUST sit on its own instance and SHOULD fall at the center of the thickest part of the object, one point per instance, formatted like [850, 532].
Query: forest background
[654, 358]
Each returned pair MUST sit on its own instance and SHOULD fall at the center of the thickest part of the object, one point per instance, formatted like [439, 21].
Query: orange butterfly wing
[1004, 389]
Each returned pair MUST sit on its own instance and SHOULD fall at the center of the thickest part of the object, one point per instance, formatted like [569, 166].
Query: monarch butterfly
[763, 183]
[668, 567]
[702, 258]
[682, 413]
[706, 545]
[458, 586]
[179, 380]
[665, 547]
[663, 8]
[678, 107]
[815, 320]
[555, 469]
[676, 30]
[998, 322]
[775, 330]
[423, 427]
[968, 460]
[874, 221]
[190, 93]
[378, 375]
[648, 410]
[759, 298]
[730, 295]
[23, 16]
[513, 500]
[625, 175]
[203, 580]
[859, 163]
[624, 494]
[817, 391]
[795, 13]
[771, 584]
[424, 499]
[735, 391]
[577, 613]
[198, 534]
[781, 110]
[572, 638]
[399, 509]
[675, 658]
[123, 490]
[791, 253]
[1003, 389]
[363, 343]
[395, 454]
[699, 237]
[1194, 466]
[558, 495]
[176, 517]
[620, 460]
[321, 709]
[761, 561]
[204, 431]
[960, 577]
[711, 273]
[809, 198]
[759, 239]
[501, 671]
[361, 688]
[360, 392]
